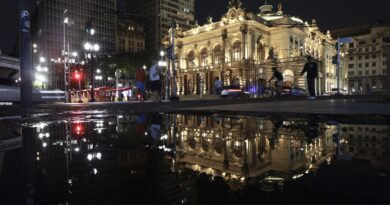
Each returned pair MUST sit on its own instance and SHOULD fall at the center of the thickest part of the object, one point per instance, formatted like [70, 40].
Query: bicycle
[271, 90]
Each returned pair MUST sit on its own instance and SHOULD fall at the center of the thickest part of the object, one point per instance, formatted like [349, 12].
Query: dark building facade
[130, 35]
[50, 30]
[159, 15]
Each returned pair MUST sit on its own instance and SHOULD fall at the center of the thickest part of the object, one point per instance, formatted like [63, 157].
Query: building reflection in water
[242, 150]
[158, 158]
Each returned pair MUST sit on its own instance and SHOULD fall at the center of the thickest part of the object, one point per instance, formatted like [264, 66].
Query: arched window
[217, 55]
[190, 59]
[238, 149]
[236, 51]
[203, 57]
[260, 52]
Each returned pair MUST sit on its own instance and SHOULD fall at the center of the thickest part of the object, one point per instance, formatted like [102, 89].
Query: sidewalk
[198, 97]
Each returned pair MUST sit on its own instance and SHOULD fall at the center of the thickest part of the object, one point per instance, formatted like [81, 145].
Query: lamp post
[118, 74]
[163, 63]
[90, 49]
[66, 84]
[174, 96]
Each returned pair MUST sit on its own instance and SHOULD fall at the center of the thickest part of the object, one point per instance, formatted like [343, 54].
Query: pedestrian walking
[217, 86]
[311, 69]
[140, 78]
[155, 81]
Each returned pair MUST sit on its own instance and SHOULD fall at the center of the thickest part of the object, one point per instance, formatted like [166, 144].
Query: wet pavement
[91, 156]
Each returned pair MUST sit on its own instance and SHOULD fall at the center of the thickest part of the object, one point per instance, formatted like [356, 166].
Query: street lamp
[118, 74]
[66, 84]
[91, 48]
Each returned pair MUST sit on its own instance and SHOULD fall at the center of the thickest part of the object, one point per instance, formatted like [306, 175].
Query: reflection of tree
[127, 138]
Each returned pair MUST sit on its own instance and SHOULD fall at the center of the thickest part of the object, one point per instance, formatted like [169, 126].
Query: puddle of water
[189, 159]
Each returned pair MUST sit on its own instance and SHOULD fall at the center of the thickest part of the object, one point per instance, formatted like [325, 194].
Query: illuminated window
[217, 55]
[190, 60]
[236, 51]
[203, 57]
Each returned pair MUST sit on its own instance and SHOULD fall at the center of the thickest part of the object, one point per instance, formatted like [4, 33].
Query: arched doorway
[288, 76]
[190, 64]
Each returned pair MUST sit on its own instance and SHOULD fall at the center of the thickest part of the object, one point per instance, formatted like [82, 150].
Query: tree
[126, 62]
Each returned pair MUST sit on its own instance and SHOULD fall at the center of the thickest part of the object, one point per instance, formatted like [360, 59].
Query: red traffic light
[77, 75]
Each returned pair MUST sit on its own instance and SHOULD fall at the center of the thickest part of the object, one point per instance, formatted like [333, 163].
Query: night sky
[330, 14]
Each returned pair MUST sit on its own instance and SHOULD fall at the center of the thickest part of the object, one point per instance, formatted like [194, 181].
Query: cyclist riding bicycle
[279, 79]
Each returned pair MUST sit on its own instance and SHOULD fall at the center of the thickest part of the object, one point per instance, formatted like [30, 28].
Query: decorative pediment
[234, 14]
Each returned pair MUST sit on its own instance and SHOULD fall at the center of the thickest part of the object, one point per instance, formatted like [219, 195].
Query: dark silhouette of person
[311, 131]
[278, 123]
[155, 127]
[311, 68]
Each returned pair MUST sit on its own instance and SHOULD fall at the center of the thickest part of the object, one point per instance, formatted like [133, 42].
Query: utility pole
[339, 42]
[25, 58]
[174, 96]
[387, 69]
[66, 84]
[338, 66]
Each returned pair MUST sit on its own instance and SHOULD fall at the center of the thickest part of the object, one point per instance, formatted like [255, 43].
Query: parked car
[333, 91]
[292, 91]
[233, 91]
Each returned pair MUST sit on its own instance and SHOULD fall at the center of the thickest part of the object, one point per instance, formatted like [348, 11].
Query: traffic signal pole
[25, 58]
[338, 63]
[174, 96]
[338, 66]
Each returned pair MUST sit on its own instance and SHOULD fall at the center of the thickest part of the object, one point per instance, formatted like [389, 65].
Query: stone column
[179, 76]
[224, 36]
[244, 31]
[388, 70]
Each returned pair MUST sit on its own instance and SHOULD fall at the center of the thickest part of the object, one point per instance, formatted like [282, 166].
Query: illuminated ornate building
[238, 149]
[242, 48]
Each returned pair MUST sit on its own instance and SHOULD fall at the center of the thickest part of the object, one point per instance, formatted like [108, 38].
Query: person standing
[140, 77]
[217, 86]
[311, 69]
[155, 81]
